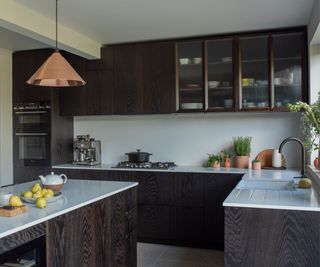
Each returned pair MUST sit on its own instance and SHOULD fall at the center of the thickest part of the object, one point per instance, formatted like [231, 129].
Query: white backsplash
[187, 138]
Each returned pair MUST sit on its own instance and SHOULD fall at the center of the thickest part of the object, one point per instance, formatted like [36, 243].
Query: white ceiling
[116, 21]
[16, 42]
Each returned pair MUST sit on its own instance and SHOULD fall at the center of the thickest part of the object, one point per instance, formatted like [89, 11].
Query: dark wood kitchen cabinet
[255, 71]
[144, 78]
[24, 64]
[271, 237]
[159, 94]
[128, 79]
[174, 208]
[95, 98]
[99, 234]
[57, 145]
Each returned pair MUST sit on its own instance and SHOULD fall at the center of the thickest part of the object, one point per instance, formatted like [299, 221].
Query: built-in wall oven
[31, 130]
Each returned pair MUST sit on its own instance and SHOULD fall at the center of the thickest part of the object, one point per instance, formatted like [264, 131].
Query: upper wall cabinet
[190, 80]
[129, 79]
[25, 64]
[254, 73]
[144, 78]
[219, 74]
[289, 77]
[95, 98]
[247, 72]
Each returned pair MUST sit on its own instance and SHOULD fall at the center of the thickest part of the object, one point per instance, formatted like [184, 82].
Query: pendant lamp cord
[56, 25]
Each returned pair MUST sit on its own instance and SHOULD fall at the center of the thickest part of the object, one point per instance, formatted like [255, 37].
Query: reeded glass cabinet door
[287, 68]
[190, 75]
[220, 74]
[254, 83]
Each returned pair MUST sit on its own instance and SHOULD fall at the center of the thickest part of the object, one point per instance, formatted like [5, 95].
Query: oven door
[31, 149]
[31, 121]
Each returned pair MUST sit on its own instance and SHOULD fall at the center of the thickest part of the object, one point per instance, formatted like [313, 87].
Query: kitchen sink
[266, 185]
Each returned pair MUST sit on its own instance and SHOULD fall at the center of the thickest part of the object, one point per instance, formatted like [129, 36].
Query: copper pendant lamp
[56, 71]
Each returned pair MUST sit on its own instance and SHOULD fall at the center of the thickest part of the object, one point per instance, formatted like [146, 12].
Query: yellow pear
[36, 187]
[305, 183]
[37, 194]
[41, 202]
[44, 191]
[48, 195]
[15, 201]
[27, 194]
[50, 191]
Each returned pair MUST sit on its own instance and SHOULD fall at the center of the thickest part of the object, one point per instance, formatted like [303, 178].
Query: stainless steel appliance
[145, 165]
[87, 151]
[31, 134]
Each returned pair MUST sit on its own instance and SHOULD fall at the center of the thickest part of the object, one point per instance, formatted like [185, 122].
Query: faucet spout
[303, 153]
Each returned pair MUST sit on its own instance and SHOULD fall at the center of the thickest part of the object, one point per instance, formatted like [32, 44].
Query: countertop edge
[59, 213]
[270, 206]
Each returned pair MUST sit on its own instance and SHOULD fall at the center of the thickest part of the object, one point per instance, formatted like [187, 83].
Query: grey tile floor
[154, 255]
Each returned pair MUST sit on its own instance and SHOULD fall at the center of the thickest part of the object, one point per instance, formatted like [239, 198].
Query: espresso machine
[87, 151]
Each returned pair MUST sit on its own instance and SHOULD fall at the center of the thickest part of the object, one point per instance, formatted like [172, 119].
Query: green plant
[226, 153]
[256, 161]
[310, 122]
[242, 145]
[212, 158]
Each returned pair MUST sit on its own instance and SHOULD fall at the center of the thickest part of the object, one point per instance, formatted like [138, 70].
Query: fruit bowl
[56, 196]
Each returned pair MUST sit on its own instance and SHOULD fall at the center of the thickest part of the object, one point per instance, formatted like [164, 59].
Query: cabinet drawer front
[155, 222]
[155, 188]
[189, 190]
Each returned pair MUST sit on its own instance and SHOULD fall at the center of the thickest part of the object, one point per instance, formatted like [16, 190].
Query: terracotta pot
[241, 162]
[227, 162]
[216, 164]
[316, 163]
[256, 165]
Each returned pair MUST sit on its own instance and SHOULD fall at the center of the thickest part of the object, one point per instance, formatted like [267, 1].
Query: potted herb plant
[256, 164]
[214, 161]
[226, 155]
[242, 149]
[310, 124]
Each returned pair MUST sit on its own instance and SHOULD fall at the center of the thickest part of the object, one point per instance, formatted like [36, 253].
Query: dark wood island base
[101, 234]
[271, 237]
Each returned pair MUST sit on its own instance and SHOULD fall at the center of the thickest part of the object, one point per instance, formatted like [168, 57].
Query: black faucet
[302, 151]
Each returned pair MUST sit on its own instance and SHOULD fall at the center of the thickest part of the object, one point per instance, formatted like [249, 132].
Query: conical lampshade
[56, 72]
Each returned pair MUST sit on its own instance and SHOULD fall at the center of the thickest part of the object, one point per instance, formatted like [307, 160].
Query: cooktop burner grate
[146, 165]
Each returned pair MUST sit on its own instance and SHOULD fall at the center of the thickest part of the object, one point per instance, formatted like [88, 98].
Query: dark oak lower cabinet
[265, 237]
[101, 234]
[174, 208]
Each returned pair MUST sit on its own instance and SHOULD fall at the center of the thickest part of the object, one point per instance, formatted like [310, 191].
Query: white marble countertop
[270, 198]
[191, 169]
[76, 194]
[295, 199]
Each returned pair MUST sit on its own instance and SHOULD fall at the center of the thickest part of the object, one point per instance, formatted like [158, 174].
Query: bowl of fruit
[36, 192]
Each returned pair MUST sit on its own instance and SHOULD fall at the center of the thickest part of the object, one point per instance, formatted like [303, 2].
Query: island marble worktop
[76, 194]
[295, 199]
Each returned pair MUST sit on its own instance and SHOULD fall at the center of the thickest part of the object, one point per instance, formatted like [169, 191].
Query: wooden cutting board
[265, 157]
[13, 212]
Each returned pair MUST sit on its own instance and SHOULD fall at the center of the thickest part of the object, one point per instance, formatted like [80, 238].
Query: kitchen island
[271, 222]
[93, 224]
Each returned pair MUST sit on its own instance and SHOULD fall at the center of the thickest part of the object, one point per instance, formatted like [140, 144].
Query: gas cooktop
[146, 165]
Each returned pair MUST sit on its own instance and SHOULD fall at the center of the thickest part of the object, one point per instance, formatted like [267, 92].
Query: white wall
[187, 138]
[314, 22]
[6, 165]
